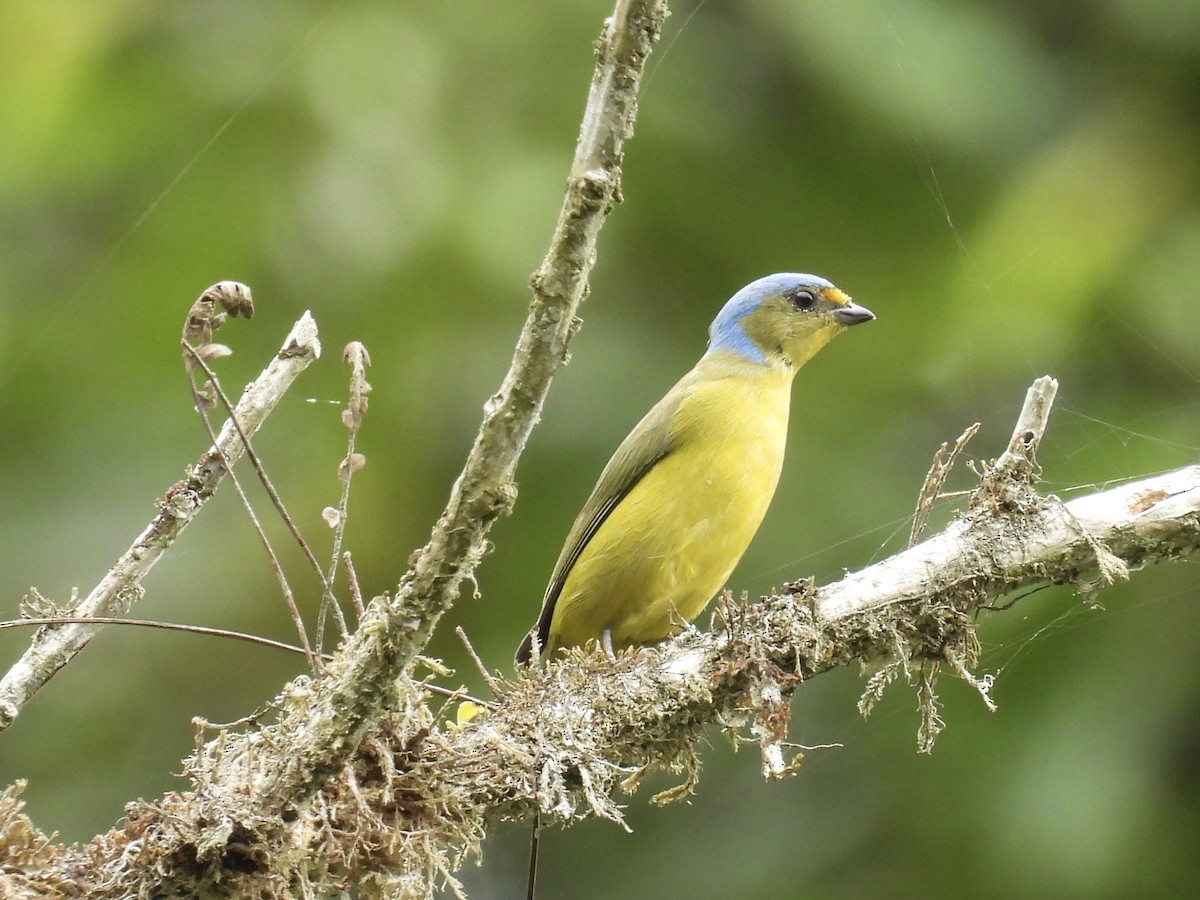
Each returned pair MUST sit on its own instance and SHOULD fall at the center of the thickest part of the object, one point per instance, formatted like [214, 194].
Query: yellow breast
[672, 542]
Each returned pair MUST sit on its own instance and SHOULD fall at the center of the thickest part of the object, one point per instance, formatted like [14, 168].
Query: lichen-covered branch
[485, 490]
[361, 684]
[416, 798]
[53, 647]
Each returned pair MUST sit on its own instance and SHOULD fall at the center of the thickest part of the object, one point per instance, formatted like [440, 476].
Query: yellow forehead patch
[836, 296]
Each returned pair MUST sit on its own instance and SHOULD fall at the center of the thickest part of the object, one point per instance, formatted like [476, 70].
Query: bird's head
[783, 318]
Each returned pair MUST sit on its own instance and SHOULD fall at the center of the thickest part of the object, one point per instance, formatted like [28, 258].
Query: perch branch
[563, 739]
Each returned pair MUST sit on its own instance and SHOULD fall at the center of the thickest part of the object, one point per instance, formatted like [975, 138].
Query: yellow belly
[672, 542]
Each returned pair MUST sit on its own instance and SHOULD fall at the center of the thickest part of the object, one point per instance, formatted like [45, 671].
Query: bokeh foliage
[1011, 186]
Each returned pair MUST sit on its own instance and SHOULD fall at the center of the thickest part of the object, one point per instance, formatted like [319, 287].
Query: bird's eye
[802, 299]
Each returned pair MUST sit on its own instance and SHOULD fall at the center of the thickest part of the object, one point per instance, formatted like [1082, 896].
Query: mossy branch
[363, 683]
[417, 796]
[357, 783]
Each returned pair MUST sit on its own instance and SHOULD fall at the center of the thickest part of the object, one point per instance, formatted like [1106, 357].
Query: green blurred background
[1011, 186]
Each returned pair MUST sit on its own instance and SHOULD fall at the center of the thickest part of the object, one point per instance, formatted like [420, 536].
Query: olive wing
[651, 440]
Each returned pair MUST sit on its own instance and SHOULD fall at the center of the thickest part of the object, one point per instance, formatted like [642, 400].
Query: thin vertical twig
[935, 480]
[276, 567]
[355, 355]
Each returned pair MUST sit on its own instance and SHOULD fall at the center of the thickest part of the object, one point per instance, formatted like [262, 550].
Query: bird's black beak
[852, 314]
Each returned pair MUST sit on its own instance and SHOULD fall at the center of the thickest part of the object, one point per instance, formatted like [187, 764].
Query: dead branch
[54, 647]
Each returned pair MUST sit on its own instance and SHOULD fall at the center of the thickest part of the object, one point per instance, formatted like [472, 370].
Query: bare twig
[355, 355]
[212, 392]
[1018, 461]
[54, 647]
[935, 479]
[488, 678]
[214, 386]
[355, 591]
[36, 621]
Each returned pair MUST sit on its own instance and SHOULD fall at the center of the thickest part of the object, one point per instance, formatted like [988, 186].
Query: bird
[684, 494]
